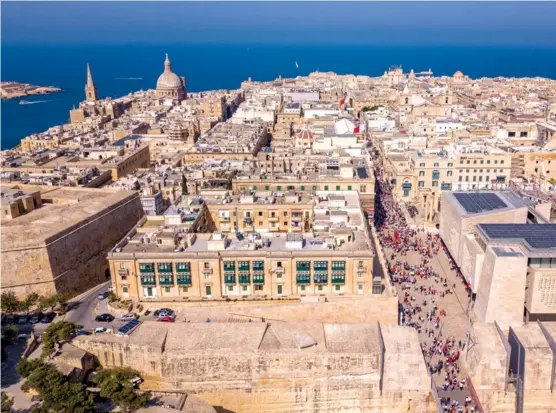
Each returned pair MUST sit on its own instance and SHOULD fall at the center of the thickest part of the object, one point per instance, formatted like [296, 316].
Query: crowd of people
[420, 290]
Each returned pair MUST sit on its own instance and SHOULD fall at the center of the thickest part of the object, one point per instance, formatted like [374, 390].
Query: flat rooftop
[535, 236]
[197, 338]
[62, 208]
[472, 203]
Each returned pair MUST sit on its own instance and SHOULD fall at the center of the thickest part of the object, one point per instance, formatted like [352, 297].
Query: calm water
[221, 66]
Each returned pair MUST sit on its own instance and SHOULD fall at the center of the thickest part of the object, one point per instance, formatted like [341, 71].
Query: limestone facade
[278, 367]
[62, 245]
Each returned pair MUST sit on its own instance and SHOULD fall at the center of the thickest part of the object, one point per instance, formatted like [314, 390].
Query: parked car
[163, 312]
[100, 330]
[103, 295]
[104, 317]
[136, 381]
[35, 318]
[166, 319]
[48, 317]
[82, 333]
[128, 317]
[24, 336]
[22, 318]
[9, 319]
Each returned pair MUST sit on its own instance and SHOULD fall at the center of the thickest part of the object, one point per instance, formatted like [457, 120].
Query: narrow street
[432, 298]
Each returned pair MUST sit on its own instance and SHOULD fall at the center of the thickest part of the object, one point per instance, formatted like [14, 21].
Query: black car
[82, 333]
[164, 311]
[9, 319]
[34, 318]
[48, 317]
[22, 318]
[104, 317]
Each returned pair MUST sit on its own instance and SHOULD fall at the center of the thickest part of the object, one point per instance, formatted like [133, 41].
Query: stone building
[276, 260]
[512, 371]
[169, 85]
[506, 253]
[61, 246]
[277, 367]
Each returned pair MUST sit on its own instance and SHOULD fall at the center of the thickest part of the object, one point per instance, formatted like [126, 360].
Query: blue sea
[218, 66]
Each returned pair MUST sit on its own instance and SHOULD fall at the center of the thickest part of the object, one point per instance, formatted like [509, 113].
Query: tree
[9, 334]
[25, 366]
[29, 302]
[55, 333]
[10, 303]
[7, 403]
[57, 393]
[115, 384]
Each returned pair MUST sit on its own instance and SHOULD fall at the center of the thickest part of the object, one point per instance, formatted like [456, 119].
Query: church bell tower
[91, 94]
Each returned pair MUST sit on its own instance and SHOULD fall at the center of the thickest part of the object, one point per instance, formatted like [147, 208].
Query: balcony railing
[207, 271]
[297, 218]
[273, 219]
[224, 219]
[244, 279]
[123, 271]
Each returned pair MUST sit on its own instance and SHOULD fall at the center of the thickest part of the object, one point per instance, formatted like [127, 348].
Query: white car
[23, 336]
[100, 330]
[128, 317]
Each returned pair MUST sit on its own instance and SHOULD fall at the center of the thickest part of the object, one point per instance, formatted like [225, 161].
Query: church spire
[167, 64]
[90, 88]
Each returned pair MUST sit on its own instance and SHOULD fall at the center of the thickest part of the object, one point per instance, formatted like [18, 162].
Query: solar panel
[536, 235]
[478, 202]
[128, 327]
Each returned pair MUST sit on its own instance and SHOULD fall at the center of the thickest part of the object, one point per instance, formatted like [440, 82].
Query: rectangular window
[421, 173]
[303, 187]
[434, 183]
[349, 187]
[422, 164]
[145, 268]
[337, 287]
[435, 165]
[314, 187]
[258, 287]
[337, 187]
[279, 187]
[167, 289]
[522, 134]
[449, 173]
[460, 178]
[266, 188]
[488, 161]
[421, 184]
[230, 288]
[487, 178]
[326, 187]
[511, 134]
[125, 289]
[185, 289]
[122, 266]
[496, 161]
[280, 288]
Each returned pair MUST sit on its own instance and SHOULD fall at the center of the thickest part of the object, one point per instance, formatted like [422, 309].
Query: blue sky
[512, 23]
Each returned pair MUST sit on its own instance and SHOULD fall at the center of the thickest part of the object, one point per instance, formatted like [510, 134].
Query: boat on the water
[27, 102]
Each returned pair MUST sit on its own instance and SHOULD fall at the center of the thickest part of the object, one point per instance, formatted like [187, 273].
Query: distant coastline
[14, 90]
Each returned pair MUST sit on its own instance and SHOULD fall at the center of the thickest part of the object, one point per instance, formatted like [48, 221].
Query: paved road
[83, 313]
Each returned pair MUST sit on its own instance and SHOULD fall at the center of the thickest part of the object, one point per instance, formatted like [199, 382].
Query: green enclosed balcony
[166, 280]
[229, 278]
[164, 267]
[340, 265]
[303, 277]
[258, 265]
[147, 280]
[183, 279]
[146, 268]
[338, 278]
[320, 277]
[258, 278]
[183, 267]
[243, 266]
[244, 278]
[229, 266]
[303, 266]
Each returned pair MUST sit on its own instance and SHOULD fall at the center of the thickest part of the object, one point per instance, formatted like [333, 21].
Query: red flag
[356, 130]
[342, 100]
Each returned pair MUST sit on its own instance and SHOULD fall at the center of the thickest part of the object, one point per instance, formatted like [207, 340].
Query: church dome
[458, 74]
[168, 79]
